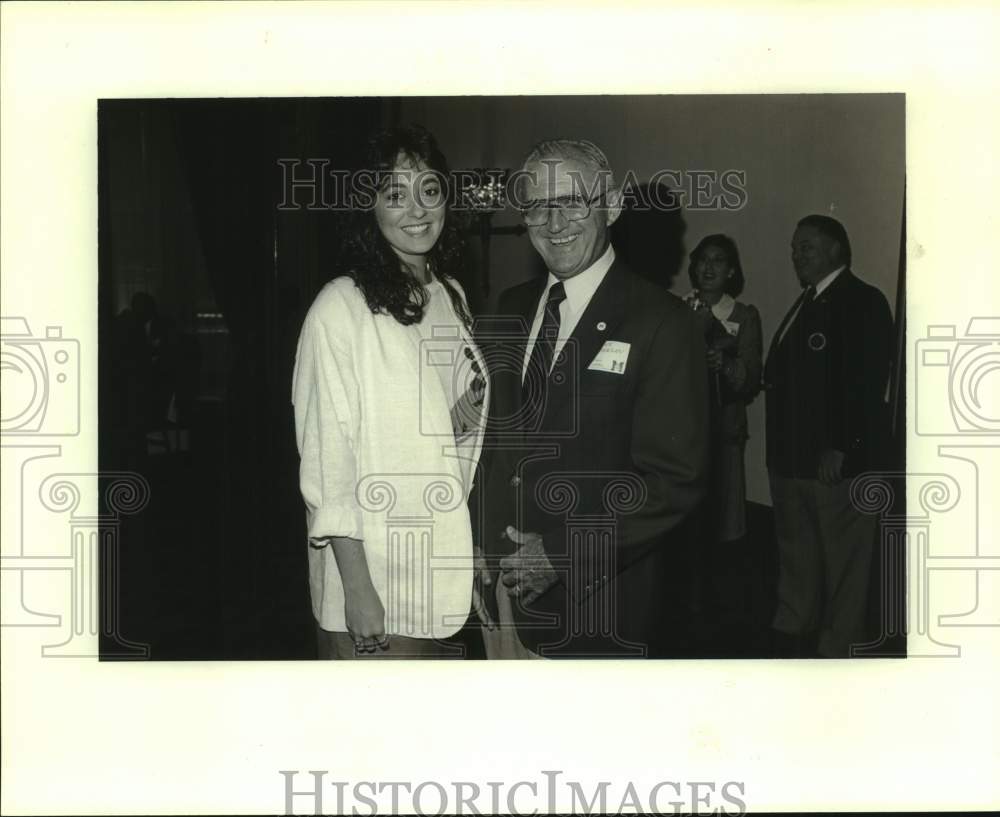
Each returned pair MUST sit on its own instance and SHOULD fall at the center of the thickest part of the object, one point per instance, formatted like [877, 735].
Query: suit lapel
[793, 310]
[519, 313]
[831, 291]
[821, 299]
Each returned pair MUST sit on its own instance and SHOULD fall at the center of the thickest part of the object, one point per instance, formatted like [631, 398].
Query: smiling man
[825, 378]
[598, 431]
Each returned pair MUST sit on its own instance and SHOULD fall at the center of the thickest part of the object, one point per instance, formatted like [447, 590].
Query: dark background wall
[216, 566]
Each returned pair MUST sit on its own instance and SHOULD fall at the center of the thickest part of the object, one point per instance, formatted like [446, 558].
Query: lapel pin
[601, 326]
[817, 341]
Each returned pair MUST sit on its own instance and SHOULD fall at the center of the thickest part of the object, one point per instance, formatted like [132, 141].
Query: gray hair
[580, 150]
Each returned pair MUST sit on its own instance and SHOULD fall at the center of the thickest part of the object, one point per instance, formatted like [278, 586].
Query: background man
[598, 430]
[825, 376]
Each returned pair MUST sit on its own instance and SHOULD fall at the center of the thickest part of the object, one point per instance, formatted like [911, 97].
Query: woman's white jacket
[379, 461]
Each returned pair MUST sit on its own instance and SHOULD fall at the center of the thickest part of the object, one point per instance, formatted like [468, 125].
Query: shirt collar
[829, 279]
[723, 308]
[582, 286]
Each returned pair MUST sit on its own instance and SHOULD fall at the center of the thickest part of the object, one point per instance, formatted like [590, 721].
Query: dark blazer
[614, 466]
[825, 381]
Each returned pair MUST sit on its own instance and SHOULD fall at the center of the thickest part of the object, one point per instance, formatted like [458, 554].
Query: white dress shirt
[829, 279]
[822, 284]
[579, 290]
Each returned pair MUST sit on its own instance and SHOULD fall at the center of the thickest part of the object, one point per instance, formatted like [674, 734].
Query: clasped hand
[831, 466]
[715, 360]
[526, 573]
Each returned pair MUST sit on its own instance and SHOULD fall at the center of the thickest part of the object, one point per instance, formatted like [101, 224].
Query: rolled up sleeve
[326, 402]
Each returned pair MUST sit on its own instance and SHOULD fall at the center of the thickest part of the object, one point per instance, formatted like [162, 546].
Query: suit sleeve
[497, 359]
[327, 413]
[669, 451]
[859, 374]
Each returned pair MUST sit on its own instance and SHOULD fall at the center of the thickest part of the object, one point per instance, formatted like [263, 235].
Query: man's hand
[715, 361]
[527, 572]
[481, 580]
[831, 465]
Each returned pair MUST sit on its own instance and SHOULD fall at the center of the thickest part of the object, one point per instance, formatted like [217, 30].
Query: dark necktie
[536, 376]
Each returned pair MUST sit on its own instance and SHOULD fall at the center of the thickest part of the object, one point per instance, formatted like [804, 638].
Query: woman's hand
[365, 618]
[363, 610]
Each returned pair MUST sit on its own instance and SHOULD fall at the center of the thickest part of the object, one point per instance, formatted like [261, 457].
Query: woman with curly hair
[390, 403]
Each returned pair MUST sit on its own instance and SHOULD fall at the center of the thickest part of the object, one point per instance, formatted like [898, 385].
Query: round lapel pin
[601, 326]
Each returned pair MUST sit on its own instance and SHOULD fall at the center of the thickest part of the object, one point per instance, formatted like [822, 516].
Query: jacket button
[515, 481]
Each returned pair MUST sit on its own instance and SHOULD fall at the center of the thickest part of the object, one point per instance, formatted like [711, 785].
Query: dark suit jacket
[616, 463]
[825, 381]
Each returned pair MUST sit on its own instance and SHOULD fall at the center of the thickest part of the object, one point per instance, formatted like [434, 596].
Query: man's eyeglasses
[573, 208]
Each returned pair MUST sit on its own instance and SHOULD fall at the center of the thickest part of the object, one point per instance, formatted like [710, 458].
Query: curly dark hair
[734, 285]
[377, 271]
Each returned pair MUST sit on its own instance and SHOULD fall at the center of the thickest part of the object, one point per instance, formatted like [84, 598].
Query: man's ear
[834, 251]
[613, 208]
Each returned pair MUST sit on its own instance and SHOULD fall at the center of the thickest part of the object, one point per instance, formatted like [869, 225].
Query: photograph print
[516, 377]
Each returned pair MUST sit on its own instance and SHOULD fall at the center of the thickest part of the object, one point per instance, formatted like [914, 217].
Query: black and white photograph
[627, 374]
[503, 377]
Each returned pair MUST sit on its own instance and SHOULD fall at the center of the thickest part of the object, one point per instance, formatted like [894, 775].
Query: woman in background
[390, 407]
[734, 341]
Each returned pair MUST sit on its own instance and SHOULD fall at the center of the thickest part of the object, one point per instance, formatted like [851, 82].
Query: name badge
[612, 357]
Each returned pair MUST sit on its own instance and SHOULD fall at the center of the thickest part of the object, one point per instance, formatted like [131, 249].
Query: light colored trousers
[824, 558]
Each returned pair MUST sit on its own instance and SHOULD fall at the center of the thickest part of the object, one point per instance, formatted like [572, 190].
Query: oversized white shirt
[379, 459]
